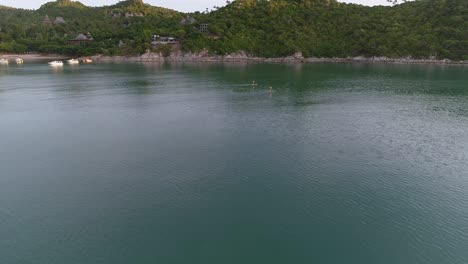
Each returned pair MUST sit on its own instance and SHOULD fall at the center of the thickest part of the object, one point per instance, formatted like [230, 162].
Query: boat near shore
[87, 60]
[56, 63]
[4, 62]
[19, 61]
[73, 62]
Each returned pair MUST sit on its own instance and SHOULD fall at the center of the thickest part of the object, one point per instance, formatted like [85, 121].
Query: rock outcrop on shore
[205, 56]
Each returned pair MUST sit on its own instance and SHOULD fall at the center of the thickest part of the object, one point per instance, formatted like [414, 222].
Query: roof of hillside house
[81, 37]
[47, 20]
[59, 20]
[188, 21]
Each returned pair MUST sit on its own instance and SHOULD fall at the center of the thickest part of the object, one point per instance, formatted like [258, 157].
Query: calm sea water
[192, 164]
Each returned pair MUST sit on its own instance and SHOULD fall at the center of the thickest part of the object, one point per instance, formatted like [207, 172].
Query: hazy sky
[182, 5]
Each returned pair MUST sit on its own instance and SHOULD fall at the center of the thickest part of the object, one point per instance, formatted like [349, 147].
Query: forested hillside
[275, 28]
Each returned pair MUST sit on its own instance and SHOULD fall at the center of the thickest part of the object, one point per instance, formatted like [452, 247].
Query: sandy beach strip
[33, 56]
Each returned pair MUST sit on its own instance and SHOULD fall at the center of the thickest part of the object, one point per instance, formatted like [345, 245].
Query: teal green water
[178, 164]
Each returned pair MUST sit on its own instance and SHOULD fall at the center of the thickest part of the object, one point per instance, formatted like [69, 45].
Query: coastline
[33, 56]
[205, 57]
[241, 57]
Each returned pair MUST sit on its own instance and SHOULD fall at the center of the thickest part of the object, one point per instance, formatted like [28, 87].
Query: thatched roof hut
[81, 39]
[47, 21]
[188, 21]
[59, 20]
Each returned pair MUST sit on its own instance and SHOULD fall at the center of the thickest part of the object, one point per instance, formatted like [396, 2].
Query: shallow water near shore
[191, 163]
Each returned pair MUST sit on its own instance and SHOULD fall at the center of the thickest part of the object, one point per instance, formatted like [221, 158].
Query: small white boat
[73, 61]
[4, 62]
[56, 63]
[87, 60]
[19, 61]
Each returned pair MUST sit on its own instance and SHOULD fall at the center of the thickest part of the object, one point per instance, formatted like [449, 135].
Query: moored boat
[56, 63]
[73, 61]
[87, 60]
[4, 62]
[19, 61]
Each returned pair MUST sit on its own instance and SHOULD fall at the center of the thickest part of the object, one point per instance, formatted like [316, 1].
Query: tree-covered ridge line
[274, 28]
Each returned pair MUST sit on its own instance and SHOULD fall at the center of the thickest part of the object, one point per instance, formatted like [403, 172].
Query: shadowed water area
[134, 163]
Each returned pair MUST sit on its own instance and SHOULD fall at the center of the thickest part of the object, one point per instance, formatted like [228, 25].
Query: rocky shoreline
[204, 56]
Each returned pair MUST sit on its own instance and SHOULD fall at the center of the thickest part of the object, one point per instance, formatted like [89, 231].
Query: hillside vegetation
[274, 28]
